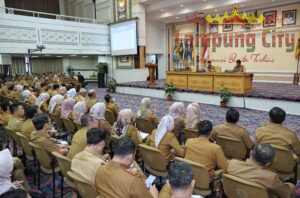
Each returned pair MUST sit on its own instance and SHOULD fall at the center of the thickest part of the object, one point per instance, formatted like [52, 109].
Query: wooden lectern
[152, 73]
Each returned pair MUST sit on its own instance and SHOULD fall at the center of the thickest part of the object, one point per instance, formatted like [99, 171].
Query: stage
[262, 97]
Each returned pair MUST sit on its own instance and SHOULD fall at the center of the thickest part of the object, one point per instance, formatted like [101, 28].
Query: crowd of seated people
[106, 156]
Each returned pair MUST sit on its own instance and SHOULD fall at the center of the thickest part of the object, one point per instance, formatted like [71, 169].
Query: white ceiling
[179, 10]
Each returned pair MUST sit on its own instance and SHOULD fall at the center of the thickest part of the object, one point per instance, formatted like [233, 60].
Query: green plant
[225, 95]
[170, 89]
[112, 85]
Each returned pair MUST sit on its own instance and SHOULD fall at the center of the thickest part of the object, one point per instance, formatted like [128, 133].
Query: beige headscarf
[192, 115]
[6, 168]
[54, 101]
[166, 124]
[79, 109]
[67, 107]
[145, 107]
[177, 110]
[125, 117]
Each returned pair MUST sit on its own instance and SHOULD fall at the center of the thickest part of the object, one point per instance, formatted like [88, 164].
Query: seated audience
[41, 136]
[4, 113]
[202, 151]
[71, 93]
[232, 129]
[67, 108]
[177, 111]
[79, 109]
[86, 163]
[111, 105]
[27, 127]
[276, 134]
[256, 169]
[97, 114]
[180, 183]
[42, 102]
[82, 96]
[146, 112]
[55, 105]
[164, 139]
[125, 126]
[114, 180]
[92, 98]
[192, 116]
[54, 90]
[17, 117]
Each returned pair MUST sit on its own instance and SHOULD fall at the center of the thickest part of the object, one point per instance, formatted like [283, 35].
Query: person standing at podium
[239, 68]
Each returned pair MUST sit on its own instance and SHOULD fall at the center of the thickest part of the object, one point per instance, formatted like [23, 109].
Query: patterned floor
[278, 91]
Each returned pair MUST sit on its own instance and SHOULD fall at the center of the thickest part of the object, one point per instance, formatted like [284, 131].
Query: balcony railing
[16, 11]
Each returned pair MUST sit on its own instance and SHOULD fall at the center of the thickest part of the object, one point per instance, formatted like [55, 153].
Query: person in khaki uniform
[275, 133]
[115, 179]
[164, 139]
[146, 112]
[111, 105]
[202, 151]
[17, 118]
[92, 98]
[82, 95]
[78, 142]
[41, 137]
[86, 163]
[232, 129]
[27, 127]
[256, 170]
[177, 111]
[4, 113]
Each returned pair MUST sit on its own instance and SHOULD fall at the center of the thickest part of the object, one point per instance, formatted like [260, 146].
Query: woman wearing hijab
[192, 116]
[67, 108]
[97, 114]
[42, 102]
[71, 93]
[177, 111]
[164, 139]
[125, 126]
[145, 111]
[54, 104]
[79, 109]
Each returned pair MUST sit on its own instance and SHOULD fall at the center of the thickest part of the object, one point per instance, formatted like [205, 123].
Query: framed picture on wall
[270, 18]
[213, 28]
[227, 27]
[122, 9]
[289, 17]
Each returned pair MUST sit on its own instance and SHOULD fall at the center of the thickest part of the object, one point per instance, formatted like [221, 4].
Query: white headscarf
[6, 168]
[55, 100]
[177, 110]
[71, 93]
[79, 110]
[125, 117]
[145, 106]
[98, 111]
[25, 95]
[67, 107]
[43, 97]
[166, 124]
[192, 115]
[19, 87]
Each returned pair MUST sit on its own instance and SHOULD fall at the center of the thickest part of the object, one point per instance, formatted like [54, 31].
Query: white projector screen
[123, 38]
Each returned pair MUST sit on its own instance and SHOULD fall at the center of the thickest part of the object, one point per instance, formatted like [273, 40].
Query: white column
[2, 6]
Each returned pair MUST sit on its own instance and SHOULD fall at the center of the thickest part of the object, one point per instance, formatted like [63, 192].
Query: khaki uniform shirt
[278, 135]
[78, 142]
[179, 125]
[133, 134]
[232, 131]
[4, 118]
[168, 142]
[27, 128]
[85, 165]
[114, 181]
[90, 102]
[15, 124]
[202, 151]
[251, 171]
[43, 140]
[113, 107]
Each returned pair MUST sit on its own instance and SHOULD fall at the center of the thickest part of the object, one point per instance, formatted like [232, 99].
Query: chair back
[24, 142]
[200, 174]
[233, 148]
[145, 125]
[85, 190]
[42, 156]
[64, 163]
[110, 117]
[284, 161]
[190, 133]
[238, 188]
[153, 158]
[69, 125]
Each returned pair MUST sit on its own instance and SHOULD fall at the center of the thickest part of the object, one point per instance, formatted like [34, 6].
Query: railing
[16, 11]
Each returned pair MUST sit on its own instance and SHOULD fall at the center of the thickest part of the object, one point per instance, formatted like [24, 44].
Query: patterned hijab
[166, 124]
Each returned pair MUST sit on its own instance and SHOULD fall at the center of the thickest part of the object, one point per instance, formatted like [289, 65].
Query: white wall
[139, 11]
[79, 8]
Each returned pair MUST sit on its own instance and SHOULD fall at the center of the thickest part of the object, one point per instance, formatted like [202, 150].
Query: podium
[152, 73]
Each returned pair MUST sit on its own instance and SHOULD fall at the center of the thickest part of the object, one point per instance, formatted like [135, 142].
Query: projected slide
[123, 38]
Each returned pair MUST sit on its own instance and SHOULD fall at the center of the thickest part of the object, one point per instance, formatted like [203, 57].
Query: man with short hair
[86, 163]
[232, 130]
[17, 118]
[114, 180]
[41, 137]
[276, 134]
[111, 105]
[202, 151]
[180, 183]
[27, 127]
[256, 169]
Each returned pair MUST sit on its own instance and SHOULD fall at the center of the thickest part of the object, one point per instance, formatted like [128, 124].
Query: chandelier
[235, 18]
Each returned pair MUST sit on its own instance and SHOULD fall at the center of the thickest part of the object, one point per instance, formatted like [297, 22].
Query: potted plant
[169, 91]
[112, 85]
[225, 96]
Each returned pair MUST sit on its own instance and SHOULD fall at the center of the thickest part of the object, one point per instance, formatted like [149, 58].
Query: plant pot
[169, 98]
[223, 104]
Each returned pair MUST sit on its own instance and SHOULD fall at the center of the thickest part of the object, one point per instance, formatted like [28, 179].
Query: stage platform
[263, 96]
